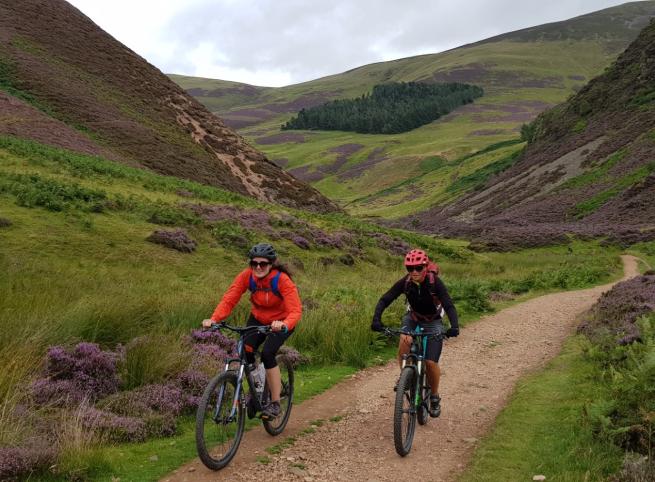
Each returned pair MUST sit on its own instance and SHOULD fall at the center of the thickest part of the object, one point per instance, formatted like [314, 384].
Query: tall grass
[154, 359]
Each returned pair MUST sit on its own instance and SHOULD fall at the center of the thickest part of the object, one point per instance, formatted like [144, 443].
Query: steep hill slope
[589, 167]
[522, 73]
[66, 82]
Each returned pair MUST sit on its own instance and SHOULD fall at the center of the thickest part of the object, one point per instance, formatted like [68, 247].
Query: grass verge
[542, 431]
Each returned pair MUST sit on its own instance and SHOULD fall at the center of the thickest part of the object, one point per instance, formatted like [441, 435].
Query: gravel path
[480, 369]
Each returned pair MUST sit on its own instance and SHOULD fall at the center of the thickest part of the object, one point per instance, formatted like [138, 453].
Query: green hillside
[522, 73]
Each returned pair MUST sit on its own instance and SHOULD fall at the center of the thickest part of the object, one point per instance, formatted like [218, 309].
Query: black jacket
[420, 299]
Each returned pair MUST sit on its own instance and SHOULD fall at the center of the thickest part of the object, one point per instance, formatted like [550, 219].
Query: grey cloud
[312, 39]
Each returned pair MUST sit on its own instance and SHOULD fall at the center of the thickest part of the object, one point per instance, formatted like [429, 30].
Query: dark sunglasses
[418, 268]
[259, 264]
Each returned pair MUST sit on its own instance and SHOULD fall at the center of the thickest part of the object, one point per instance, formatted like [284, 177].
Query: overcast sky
[282, 42]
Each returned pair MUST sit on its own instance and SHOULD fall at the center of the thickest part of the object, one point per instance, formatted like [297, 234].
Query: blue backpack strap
[275, 281]
[274, 284]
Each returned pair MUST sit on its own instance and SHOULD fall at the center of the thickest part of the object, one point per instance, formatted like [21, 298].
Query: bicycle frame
[241, 370]
[416, 353]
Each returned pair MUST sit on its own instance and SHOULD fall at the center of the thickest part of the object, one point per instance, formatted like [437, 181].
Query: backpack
[432, 275]
[275, 281]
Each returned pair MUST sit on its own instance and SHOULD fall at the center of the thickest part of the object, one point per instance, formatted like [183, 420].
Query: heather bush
[69, 377]
[208, 358]
[192, 382]
[394, 246]
[293, 356]
[300, 242]
[613, 318]
[112, 427]
[215, 337]
[5, 223]
[162, 425]
[143, 401]
[57, 393]
[19, 462]
[178, 240]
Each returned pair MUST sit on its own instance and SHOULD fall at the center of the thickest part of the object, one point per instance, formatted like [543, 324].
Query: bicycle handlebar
[413, 334]
[264, 330]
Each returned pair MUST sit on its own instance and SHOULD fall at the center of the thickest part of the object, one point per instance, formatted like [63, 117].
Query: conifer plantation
[390, 108]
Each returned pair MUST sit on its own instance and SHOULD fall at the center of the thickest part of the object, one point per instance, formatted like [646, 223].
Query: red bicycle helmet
[416, 257]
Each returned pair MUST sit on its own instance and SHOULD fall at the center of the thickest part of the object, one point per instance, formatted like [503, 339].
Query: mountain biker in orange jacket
[275, 302]
[426, 305]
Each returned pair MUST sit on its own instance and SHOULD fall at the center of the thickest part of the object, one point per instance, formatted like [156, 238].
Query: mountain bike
[220, 418]
[413, 390]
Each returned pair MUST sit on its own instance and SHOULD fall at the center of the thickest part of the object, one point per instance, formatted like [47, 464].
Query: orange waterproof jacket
[266, 306]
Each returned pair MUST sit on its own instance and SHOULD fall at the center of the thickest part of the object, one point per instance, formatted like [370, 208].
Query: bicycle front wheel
[219, 421]
[404, 414]
[276, 426]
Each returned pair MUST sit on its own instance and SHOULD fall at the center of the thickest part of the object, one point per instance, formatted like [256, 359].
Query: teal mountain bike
[413, 389]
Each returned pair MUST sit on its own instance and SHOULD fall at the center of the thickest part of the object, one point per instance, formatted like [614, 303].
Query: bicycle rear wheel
[404, 414]
[276, 426]
[219, 427]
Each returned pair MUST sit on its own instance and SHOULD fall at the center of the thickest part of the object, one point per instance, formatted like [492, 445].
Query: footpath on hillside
[480, 369]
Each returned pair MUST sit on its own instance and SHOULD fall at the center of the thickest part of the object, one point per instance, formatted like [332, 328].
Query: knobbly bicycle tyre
[210, 461]
[404, 405]
[277, 425]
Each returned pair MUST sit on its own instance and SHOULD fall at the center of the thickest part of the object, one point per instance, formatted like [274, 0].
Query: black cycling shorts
[272, 343]
[435, 326]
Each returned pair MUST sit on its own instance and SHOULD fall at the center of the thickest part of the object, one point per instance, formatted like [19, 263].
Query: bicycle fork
[235, 400]
[418, 397]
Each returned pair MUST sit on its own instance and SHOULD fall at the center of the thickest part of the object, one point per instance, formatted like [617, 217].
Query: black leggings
[273, 342]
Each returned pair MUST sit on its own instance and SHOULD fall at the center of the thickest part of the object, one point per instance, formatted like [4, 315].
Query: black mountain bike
[222, 409]
[413, 389]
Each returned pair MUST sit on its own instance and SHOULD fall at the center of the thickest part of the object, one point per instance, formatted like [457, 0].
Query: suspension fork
[420, 373]
[237, 391]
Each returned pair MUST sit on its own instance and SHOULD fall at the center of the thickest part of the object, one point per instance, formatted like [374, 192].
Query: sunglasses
[418, 268]
[259, 264]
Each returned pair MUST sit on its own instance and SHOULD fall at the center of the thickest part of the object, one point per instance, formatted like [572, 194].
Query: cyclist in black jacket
[428, 299]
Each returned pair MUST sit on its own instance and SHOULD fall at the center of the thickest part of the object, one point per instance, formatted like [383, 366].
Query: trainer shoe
[435, 406]
[271, 411]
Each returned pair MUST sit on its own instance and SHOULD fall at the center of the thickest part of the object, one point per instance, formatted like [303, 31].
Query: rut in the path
[480, 369]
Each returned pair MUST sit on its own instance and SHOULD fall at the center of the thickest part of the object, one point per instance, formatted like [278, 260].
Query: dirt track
[480, 369]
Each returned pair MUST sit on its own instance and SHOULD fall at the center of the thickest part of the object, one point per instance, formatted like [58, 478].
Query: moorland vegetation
[98, 322]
